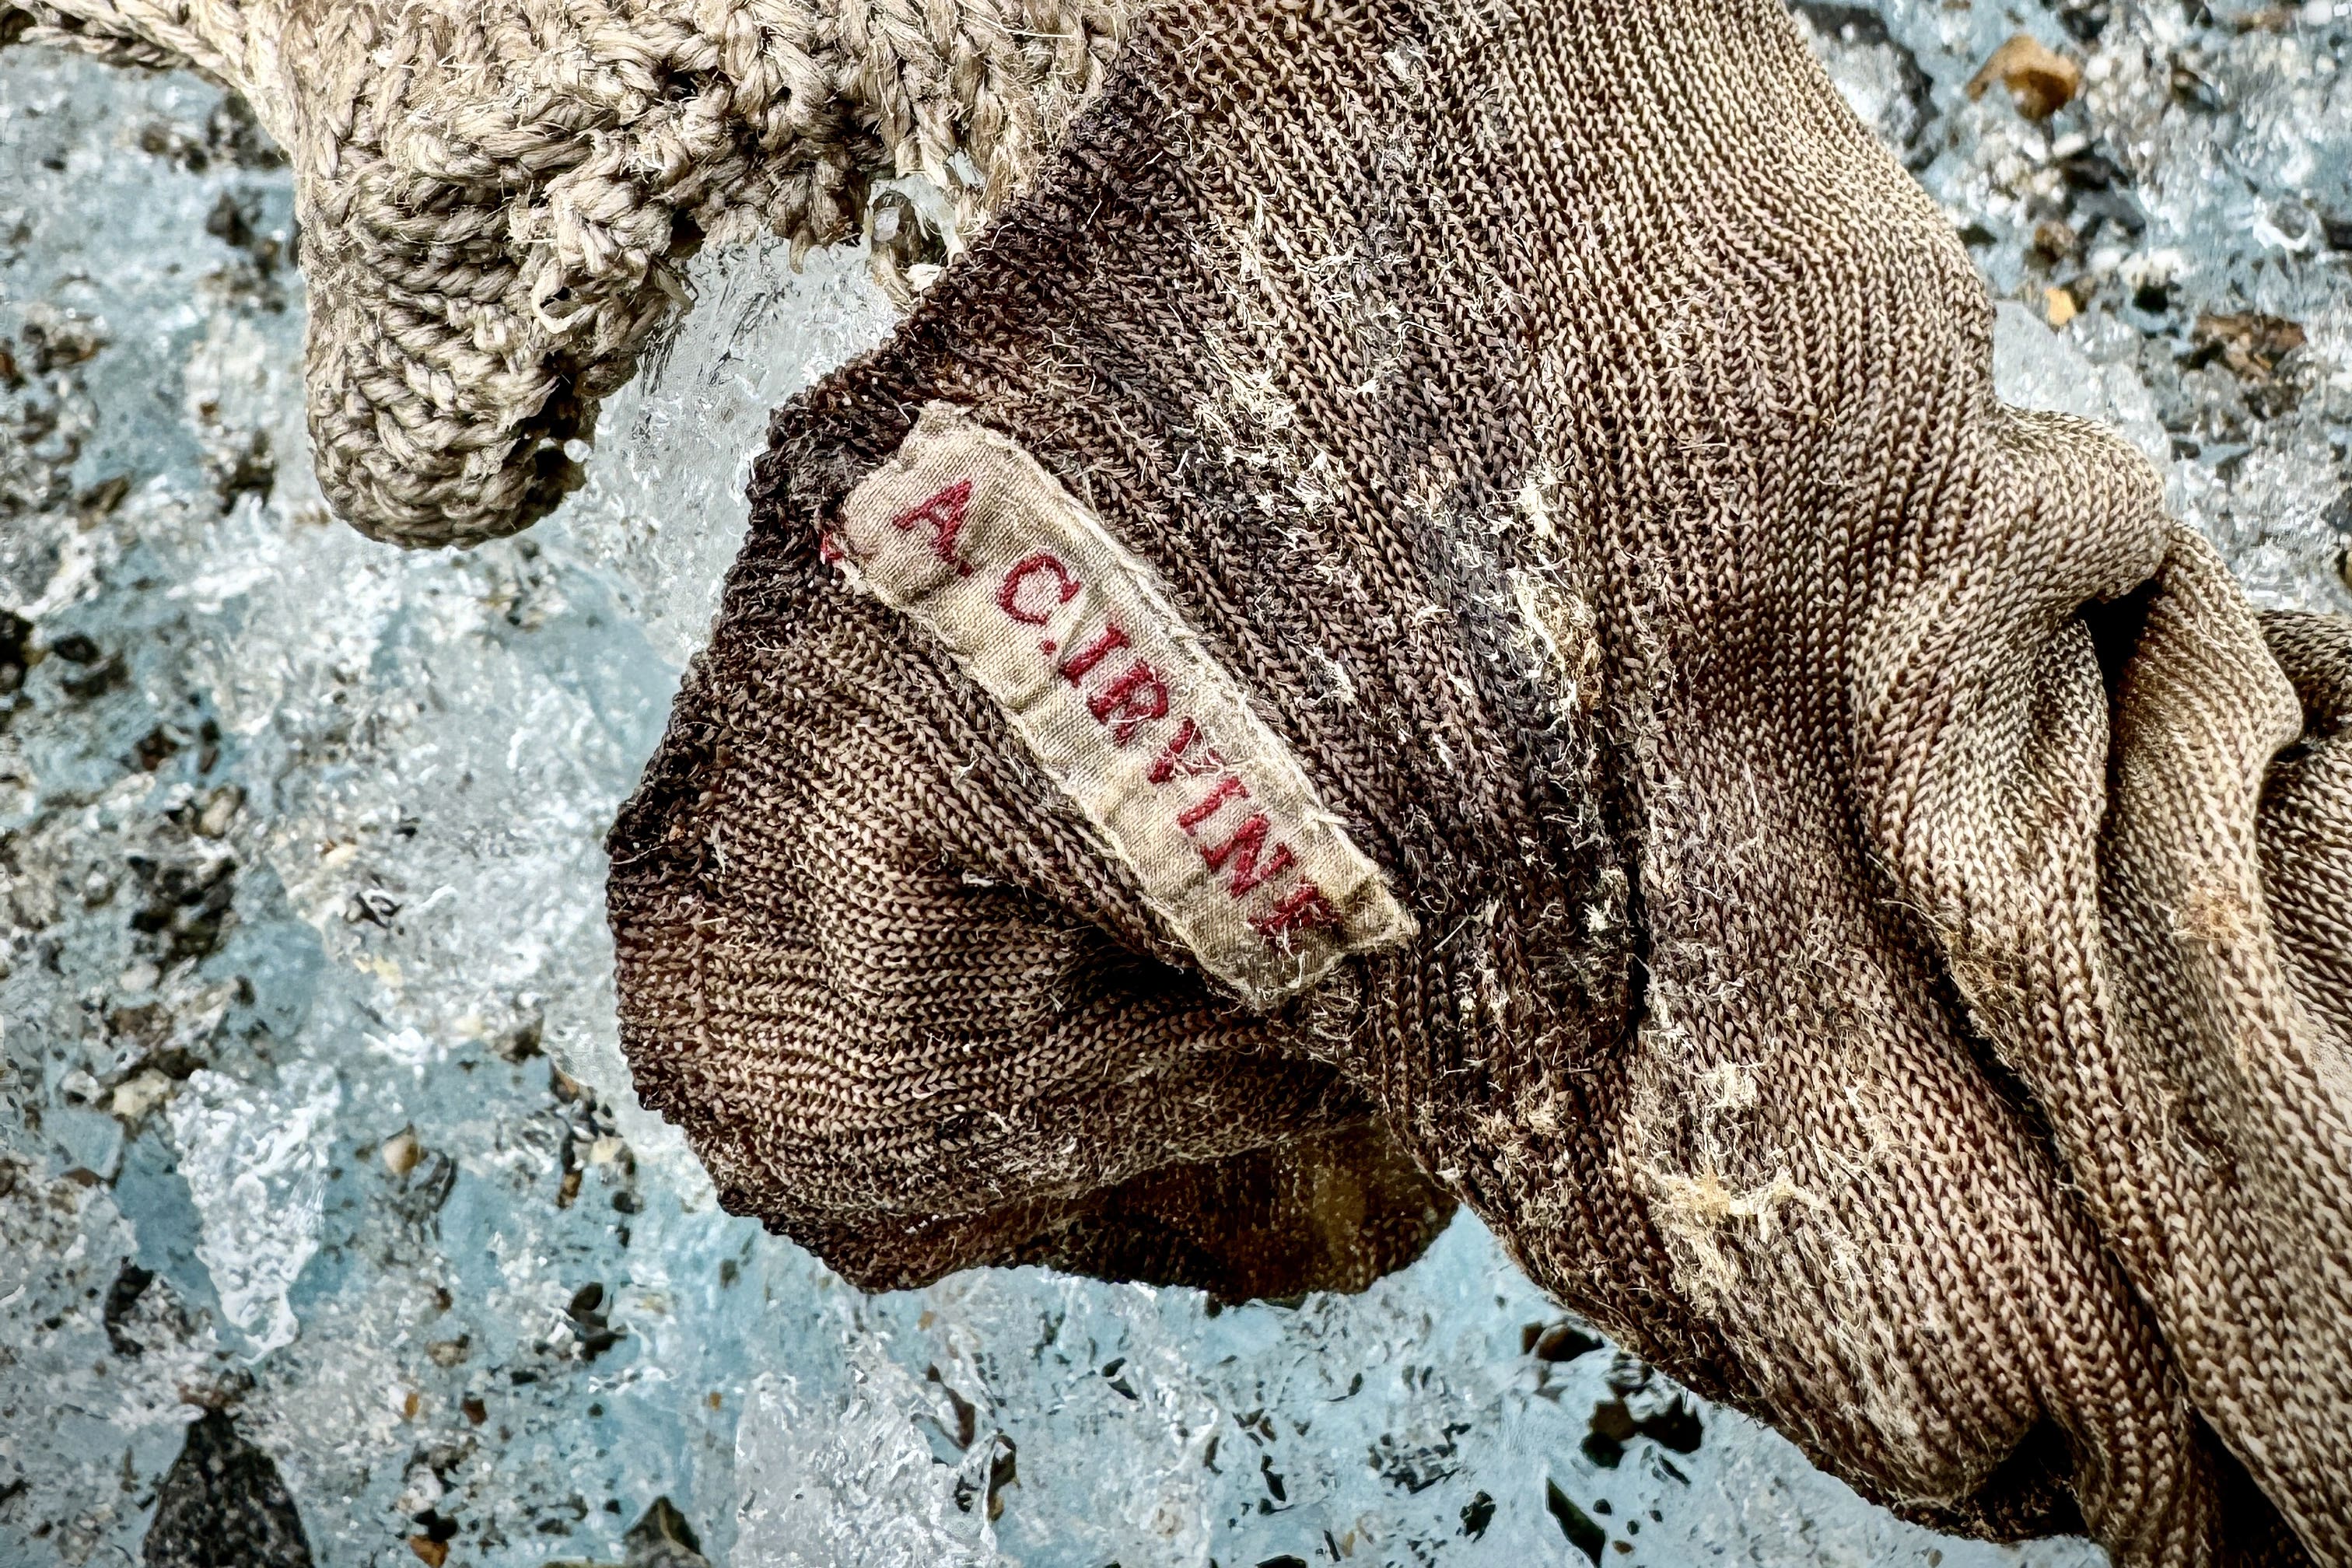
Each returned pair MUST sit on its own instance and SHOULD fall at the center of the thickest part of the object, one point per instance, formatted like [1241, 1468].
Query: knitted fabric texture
[1882, 895]
[494, 197]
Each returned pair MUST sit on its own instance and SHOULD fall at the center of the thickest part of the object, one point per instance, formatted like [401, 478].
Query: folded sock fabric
[1315, 1212]
[1451, 578]
[494, 195]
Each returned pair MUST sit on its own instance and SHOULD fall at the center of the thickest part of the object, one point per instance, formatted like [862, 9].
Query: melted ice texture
[312, 1097]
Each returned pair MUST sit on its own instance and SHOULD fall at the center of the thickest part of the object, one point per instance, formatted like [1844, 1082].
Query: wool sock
[496, 196]
[1456, 569]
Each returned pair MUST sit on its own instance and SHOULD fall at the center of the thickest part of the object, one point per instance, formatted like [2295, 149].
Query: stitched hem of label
[1071, 634]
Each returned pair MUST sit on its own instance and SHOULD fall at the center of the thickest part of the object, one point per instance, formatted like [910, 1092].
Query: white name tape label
[1053, 617]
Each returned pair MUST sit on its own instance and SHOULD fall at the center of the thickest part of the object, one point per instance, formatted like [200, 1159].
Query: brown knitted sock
[2307, 846]
[1462, 563]
[916, 1061]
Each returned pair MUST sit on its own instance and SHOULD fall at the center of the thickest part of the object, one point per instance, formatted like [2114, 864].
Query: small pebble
[220, 810]
[2040, 79]
[136, 1097]
[401, 1151]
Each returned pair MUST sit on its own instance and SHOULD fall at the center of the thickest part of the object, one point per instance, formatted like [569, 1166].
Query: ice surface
[818, 1475]
[664, 507]
[255, 1168]
[2033, 367]
[312, 1109]
[2206, 171]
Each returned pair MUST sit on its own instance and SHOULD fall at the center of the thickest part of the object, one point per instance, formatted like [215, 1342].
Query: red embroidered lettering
[1173, 760]
[944, 513]
[1008, 597]
[1242, 849]
[1154, 741]
[1135, 699]
[1110, 641]
[1228, 788]
[1304, 908]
